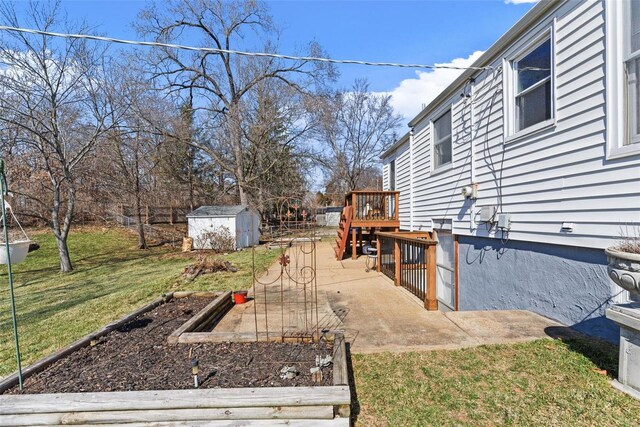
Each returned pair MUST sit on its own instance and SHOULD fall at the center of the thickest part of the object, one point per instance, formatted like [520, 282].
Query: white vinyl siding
[632, 68]
[560, 174]
[403, 185]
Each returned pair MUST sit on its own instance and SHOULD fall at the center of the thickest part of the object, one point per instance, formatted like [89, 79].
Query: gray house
[529, 166]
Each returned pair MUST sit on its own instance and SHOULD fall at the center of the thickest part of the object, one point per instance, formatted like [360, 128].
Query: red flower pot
[240, 297]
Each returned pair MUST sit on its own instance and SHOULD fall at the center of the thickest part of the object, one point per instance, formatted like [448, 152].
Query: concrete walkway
[377, 316]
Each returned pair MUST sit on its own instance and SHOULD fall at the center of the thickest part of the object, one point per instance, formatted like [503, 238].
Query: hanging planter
[18, 251]
[18, 246]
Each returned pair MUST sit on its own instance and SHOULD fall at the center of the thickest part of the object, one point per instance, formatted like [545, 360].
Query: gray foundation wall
[564, 283]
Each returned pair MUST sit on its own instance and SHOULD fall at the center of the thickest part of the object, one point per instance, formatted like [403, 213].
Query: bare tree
[357, 126]
[222, 81]
[133, 144]
[52, 106]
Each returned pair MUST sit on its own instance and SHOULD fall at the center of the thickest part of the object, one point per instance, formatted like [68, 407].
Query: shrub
[219, 239]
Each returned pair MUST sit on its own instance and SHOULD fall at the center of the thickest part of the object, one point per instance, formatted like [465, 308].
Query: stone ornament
[624, 269]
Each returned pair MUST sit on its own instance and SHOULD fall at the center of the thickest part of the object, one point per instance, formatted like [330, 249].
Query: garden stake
[194, 371]
[3, 192]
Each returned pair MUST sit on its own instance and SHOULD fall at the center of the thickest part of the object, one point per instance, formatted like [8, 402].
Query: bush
[220, 240]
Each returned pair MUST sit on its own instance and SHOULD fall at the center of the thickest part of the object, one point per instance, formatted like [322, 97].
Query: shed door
[445, 265]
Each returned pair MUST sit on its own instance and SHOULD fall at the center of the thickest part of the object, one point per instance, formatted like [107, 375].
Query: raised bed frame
[265, 406]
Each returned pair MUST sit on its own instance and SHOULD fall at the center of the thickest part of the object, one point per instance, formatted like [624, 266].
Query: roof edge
[403, 139]
[489, 55]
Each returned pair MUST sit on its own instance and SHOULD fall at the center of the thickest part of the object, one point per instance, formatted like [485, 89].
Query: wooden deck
[365, 213]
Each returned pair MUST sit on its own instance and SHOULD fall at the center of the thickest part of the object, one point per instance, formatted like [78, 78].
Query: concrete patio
[377, 316]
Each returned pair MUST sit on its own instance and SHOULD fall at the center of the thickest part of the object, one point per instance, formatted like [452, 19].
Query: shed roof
[217, 211]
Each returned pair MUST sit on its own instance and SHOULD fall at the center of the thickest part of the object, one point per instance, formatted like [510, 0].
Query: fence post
[431, 301]
[171, 214]
[398, 258]
[146, 218]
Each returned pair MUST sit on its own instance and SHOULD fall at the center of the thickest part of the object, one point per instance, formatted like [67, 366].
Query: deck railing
[409, 259]
[374, 205]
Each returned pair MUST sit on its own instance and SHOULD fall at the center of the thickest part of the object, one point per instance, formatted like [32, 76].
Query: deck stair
[343, 231]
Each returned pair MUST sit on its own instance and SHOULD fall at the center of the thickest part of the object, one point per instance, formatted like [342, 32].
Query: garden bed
[132, 372]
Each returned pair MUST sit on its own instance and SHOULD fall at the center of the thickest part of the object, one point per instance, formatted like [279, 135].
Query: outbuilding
[210, 225]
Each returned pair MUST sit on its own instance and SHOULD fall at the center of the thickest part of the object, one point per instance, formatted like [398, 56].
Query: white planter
[18, 251]
[624, 269]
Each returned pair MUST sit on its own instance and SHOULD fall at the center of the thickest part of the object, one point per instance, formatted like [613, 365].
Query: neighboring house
[232, 222]
[548, 135]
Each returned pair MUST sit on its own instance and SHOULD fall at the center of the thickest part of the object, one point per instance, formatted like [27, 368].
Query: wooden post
[146, 220]
[171, 214]
[378, 253]
[398, 259]
[354, 243]
[396, 208]
[385, 213]
[431, 302]
[354, 207]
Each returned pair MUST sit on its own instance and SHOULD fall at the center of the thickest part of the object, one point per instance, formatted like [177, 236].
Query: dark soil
[138, 357]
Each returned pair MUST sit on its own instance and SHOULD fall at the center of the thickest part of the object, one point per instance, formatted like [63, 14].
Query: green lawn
[541, 383]
[111, 278]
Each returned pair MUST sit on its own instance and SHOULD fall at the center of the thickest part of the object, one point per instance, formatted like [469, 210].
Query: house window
[533, 87]
[442, 140]
[632, 67]
[392, 175]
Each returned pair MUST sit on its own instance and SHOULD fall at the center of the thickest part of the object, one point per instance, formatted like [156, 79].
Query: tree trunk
[61, 233]
[142, 241]
[63, 252]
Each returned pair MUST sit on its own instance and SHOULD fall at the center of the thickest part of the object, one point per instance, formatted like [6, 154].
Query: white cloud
[520, 1]
[411, 95]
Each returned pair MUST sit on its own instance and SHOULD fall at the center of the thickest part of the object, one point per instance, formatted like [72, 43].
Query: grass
[111, 278]
[540, 383]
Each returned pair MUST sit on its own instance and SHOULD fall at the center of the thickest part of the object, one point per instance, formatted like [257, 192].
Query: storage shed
[237, 222]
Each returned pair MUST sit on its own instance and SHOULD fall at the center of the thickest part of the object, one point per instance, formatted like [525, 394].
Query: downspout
[411, 179]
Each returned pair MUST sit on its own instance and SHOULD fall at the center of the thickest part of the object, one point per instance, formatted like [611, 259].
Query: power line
[237, 52]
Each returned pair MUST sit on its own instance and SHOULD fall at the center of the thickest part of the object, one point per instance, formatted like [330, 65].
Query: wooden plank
[376, 223]
[197, 337]
[40, 365]
[202, 315]
[136, 416]
[431, 302]
[336, 422]
[209, 323]
[174, 399]
[196, 294]
[340, 372]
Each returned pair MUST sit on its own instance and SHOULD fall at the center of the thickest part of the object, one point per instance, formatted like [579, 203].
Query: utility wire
[237, 52]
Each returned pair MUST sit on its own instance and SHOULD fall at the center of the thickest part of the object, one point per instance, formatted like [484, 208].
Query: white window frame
[446, 166]
[510, 88]
[619, 141]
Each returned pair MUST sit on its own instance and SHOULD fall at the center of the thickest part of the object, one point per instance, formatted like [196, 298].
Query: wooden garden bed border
[266, 406]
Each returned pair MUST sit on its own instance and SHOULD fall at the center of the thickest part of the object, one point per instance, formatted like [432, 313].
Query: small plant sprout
[93, 342]
[194, 371]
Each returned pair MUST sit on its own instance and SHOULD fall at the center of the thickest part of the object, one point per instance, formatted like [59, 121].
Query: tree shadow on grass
[603, 354]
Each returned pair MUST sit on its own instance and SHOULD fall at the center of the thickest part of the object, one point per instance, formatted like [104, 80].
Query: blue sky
[394, 31]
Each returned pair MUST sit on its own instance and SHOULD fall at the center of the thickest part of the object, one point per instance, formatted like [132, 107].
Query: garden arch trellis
[286, 299]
